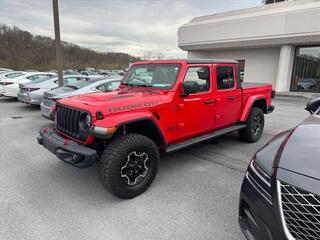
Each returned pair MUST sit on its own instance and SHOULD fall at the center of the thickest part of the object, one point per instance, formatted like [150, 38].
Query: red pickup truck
[162, 105]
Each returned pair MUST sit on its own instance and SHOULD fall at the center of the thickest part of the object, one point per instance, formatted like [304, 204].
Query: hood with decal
[114, 102]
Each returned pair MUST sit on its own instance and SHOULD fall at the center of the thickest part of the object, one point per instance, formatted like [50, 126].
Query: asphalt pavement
[194, 196]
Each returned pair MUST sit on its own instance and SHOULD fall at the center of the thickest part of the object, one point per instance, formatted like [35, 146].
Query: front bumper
[66, 150]
[259, 219]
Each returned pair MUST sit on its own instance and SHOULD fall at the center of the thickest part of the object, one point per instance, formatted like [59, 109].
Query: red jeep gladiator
[162, 105]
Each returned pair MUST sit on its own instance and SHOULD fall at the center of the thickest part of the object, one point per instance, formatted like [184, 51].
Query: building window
[306, 70]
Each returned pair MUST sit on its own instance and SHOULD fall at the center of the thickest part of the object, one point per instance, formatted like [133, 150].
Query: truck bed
[262, 90]
[245, 85]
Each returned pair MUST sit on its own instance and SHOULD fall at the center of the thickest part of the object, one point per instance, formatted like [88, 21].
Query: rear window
[14, 75]
[39, 77]
[79, 84]
[39, 80]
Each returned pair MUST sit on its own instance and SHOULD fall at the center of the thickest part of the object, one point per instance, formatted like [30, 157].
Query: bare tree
[21, 50]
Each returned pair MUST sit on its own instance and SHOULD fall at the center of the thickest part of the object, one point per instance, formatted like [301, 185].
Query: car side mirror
[189, 87]
[313, 106]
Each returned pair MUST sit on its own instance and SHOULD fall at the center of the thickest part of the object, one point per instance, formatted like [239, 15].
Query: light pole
[59, 59]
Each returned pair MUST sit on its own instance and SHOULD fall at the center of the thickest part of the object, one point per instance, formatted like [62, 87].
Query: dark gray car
[74, 89]
[280, 194]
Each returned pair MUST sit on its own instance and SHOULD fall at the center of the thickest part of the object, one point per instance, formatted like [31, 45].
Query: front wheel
[255, 125]
[128, 165]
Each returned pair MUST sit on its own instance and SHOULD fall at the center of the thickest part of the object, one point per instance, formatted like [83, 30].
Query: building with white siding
[278, 42]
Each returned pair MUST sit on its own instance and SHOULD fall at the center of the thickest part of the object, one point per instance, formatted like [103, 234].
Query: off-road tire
[247, 134]
[114, 157]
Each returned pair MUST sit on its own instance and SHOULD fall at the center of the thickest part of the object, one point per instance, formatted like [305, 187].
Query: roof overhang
[295, 22]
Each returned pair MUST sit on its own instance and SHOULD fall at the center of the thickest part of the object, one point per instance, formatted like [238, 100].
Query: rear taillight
[30, 89]
[5, 83]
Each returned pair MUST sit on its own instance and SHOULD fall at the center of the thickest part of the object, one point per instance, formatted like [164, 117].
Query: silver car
[74, 89]
[32, 92]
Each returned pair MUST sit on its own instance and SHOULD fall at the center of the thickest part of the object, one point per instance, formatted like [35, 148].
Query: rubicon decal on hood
[132, 106]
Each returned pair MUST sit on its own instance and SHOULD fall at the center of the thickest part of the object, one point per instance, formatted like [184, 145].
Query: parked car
[5, 70]
[70, 72]
[32, 92]
[307, 84]
[91, 73]
[9, 87]
[280, 194]
[10, 74]
[109, 74]
[185, 102]
[74, 89]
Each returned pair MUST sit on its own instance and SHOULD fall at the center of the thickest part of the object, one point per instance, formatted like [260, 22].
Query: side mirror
[189, 87]
[313, 105]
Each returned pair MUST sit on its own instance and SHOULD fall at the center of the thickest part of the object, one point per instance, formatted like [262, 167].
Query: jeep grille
[67, 121]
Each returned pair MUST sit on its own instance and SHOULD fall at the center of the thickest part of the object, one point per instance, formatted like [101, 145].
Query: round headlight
[88, 120]
[85, 121]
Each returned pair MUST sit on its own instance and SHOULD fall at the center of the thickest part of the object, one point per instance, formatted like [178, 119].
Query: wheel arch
[258, 102]
[145, 126]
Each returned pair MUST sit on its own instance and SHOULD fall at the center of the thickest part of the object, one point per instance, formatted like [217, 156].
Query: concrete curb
[298, 95]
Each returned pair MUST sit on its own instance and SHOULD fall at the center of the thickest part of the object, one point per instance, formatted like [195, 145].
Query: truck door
[228, 95]
[196, 113]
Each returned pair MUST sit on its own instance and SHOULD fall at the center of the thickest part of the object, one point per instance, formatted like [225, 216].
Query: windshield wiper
[144, 85]
[136, 85]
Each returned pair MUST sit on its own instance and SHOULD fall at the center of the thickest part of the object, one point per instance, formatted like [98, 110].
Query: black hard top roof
[211, 61]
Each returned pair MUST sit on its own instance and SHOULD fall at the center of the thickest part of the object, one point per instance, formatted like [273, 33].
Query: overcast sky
[131, 26]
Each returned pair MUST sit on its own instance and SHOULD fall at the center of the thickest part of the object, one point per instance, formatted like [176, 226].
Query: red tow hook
[66, 142]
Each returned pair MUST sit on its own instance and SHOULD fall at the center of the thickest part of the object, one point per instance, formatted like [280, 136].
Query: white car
[9, 87]
[2, 70]
[10, 74]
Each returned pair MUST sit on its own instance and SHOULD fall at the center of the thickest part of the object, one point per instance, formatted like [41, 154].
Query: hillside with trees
[21, 50]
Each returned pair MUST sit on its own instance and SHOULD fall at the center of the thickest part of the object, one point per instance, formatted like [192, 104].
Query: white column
[285, 66]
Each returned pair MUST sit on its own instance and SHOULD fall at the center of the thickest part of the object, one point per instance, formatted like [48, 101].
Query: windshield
[161, 76]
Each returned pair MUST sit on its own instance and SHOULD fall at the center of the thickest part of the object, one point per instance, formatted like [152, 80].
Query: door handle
[232, 97]
[209, 101]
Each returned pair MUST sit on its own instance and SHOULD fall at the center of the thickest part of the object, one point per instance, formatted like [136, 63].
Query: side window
[43, 76]
[112, 85]
[101, 87]
[225, 79]
[199, 76]
[34, 77]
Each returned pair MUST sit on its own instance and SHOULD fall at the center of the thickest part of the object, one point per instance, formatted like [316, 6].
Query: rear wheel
[128, 165]
[255, 125]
